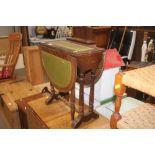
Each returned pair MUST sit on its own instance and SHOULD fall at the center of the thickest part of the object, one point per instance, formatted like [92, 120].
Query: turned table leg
[81, 95]
[91, 95]
[91, 113]
[76, 123]
[119, 90]
[73, 103]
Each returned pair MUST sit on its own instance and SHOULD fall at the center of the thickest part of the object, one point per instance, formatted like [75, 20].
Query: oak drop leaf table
[88, 59]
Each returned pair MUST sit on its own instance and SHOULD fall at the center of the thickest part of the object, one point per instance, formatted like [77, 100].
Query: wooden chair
[12, 54]
[143, 116]
[62, 73]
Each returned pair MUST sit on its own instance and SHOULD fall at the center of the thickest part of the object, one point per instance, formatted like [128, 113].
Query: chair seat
[141, 79]
[142, 117]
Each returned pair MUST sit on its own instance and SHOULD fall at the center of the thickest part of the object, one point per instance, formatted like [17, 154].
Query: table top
[71, 47]
[88, 56]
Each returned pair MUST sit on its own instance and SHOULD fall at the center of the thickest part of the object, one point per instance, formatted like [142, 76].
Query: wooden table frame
[86, 62]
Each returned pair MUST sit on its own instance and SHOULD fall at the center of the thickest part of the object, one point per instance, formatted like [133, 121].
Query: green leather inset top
[59, 70]
[69, 45]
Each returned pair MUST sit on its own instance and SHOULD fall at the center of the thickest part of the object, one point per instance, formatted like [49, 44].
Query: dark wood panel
[138, 45]
[140, 31]
[99, 34]
[25, 40]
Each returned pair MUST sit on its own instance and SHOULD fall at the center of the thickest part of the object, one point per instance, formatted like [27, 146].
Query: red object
[1, 74]
[112, 59]
[4, 74]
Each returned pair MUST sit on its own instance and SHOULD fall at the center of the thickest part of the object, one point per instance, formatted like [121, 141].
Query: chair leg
[119, 90]
[116, 115]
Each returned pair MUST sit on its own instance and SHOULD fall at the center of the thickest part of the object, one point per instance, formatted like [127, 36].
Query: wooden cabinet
[98, 34]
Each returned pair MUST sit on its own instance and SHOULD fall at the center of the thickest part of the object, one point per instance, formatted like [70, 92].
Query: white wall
[20, 62]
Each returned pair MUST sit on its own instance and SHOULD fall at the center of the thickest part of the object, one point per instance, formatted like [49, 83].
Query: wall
[5, 30]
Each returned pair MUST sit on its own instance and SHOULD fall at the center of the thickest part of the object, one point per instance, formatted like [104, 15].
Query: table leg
[76, 123]
[81, 95]
[91, 95]
[72, 103]
[91, 113]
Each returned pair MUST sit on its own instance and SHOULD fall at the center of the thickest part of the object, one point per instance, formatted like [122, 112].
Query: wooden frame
[88, 62]
[69, 87]
[33, 65]
[13, 52]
